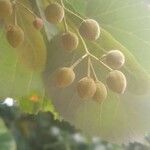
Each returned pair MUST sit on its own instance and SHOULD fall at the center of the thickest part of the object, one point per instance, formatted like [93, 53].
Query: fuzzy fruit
[86, 87]
[64, 77]
[69, 41]
[15, 35]
[101, 92]
[90, 30]
[38, 23]
[54, 13]
[116, 81]
[115, 59]
[6, 9]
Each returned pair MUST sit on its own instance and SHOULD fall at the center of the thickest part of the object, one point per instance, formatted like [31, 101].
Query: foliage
[121, 116]
[26, 72]
[6, 139]
[43, 132]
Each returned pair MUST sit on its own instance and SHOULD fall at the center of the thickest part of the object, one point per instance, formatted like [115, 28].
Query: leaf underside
[120, 118]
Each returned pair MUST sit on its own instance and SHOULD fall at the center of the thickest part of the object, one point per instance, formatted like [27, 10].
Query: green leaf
[21, 68]
[6, 140]
[78, 5]
[128, 21]
[34, 103]
[120, 118]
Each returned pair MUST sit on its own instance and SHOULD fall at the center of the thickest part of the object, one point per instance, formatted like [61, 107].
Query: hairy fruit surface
[86, 87]
[115, 59]
[64, 77]
[101, 92]
[15, 35]
[54, 13]
[89, 29]
[69, 41]
[116, 81]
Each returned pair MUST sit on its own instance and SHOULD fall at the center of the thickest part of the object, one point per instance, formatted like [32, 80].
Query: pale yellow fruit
[6, 9]
[69, 41]
[101, 92]
[115, 59]
[15, 35]
[90, 29]
[86, 88]
[54, 13]
[116, 81]
[64, 77]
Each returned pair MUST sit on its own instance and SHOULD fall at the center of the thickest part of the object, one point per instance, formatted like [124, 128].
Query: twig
[93, 70]
[102, 63]
[79, 61]
[64, 19]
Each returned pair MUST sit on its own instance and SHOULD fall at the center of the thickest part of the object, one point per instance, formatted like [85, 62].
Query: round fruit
[38, 23]
[69, 41]
[54, 13]
[64, 77]
[115, 59]
[116, 81]
[86, 87]
[90, 29]
[6, 9]
[101, 92]
[15, 35]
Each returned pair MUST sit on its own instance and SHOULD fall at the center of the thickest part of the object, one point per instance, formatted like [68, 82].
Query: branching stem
[91, 55]
[84, 44]
[102, 63]
[79, 61]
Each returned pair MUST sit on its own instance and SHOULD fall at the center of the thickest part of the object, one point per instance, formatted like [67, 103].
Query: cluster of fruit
[89, 29]
[14, 33]
[89, 87]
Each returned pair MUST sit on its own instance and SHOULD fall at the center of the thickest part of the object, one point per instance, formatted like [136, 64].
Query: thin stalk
[102, 63]
[71, 12]
[103, 57]
[83, 42]
[79, 61]
[93, 70]
[89, 68]
[15, 15]
[64, 19]
[88, 53]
